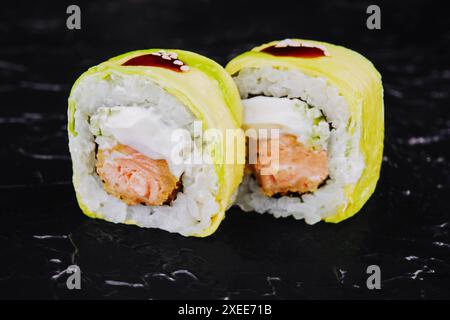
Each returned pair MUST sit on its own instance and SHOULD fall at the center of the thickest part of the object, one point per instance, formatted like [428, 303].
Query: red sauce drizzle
[299, 52]
[156, 60]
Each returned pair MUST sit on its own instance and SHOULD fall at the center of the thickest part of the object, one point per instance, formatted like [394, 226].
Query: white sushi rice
[345, 161]
[191, 211]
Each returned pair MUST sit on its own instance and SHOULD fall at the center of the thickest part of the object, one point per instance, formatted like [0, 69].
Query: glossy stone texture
[404, 228]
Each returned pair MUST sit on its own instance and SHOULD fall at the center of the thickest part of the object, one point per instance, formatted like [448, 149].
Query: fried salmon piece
[135, 178]
[300, 169]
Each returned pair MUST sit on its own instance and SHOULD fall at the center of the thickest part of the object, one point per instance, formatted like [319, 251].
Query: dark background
[404, 228]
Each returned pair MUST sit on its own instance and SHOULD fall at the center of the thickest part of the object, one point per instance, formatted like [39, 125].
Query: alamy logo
[74, 280]
[374, 20]
[374, 280]
[74, 20]
[263, 147]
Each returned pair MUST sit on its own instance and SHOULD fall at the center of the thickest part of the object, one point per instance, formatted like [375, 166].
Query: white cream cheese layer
[291, 116]
[142, 129]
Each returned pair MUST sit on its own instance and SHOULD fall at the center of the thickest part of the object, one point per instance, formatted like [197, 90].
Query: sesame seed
[184, 68]
[173, 55]
[281, 44]
[178, 62]
[166, 57]
[155, 54]
[289, 42]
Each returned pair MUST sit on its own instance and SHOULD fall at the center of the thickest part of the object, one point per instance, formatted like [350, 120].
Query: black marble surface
[404, 228]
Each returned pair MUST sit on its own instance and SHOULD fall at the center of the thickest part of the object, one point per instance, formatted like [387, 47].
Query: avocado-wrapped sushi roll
[327, 103]
[136, 125]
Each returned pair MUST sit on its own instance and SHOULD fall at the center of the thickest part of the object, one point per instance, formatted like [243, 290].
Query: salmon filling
[135, 178]
[300, 169]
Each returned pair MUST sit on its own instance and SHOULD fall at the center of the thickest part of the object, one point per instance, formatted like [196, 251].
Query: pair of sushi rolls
[132, 138]
[327, 103]
[324, 103]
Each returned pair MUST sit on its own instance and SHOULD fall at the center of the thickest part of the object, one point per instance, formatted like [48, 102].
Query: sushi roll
[326, 103]
[136, 126]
